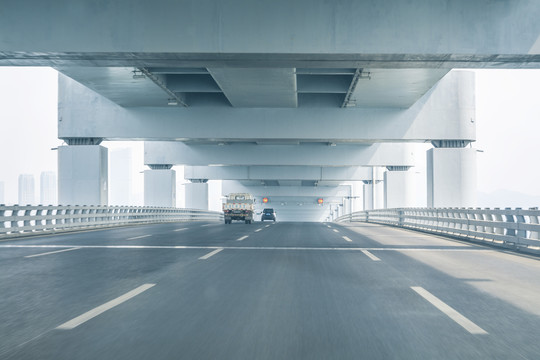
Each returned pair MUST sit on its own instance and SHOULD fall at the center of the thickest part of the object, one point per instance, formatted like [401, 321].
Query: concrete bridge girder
[288, 191]
[269, 27]
[284, 173]
[447, 111]
[178, 153]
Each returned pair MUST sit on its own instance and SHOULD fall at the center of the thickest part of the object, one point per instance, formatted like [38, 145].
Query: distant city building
[120, 181]
[47, 188]
[2, 196]
[27, 190]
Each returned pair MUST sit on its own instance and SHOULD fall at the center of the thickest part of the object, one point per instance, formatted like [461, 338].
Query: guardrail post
[49, 220]
[520, 219]
[470, 216]
[26, 222]
[534, 219]
[497, 217]
[400, 217]
[487, 216]
[2, 222]
[509, 218]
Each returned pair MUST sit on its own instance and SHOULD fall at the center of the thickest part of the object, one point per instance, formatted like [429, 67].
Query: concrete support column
[160, 186]
[357, 195]
[373, 194]
[347, 205]
[197, 194]
[83, 172]
[399, 190]
[451, 175]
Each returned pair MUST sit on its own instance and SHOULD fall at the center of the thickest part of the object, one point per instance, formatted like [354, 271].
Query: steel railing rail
[516, 229]
[27, 220]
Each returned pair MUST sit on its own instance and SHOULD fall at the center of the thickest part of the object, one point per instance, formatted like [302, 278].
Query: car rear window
[268, 210]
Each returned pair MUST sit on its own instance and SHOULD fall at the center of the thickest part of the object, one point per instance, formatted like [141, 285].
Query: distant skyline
[48, 188]
[508, 128]
[27, 190]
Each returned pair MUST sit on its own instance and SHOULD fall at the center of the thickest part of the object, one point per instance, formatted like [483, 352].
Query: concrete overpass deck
[286, 290]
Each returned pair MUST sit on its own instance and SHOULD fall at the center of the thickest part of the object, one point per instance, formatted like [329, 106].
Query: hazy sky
[508, 128]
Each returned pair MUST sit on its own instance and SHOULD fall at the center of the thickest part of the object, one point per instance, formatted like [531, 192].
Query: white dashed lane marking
[210, 254]
[449, 311]
[52, 252]
[73, 323]
[138, 237]
[370, 255]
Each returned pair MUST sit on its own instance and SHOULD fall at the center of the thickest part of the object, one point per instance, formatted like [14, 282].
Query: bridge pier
[398, 187]
[373, 194]
[160, 186]
[197, 194]
[451, 174]
[83, 172]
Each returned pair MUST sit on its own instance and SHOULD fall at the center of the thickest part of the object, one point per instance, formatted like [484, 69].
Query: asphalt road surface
[265, 291]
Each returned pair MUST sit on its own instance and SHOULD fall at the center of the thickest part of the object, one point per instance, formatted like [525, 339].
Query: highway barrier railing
[28, 220]
[516, 229]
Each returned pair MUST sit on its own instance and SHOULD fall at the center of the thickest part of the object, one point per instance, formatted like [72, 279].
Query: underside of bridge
[294, 101]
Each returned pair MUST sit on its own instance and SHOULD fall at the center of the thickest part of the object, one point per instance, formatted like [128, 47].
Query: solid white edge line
[73, 323]
[56, 246]
[139, 237]
[180, 229]
[242, 238]
[210, 254]
[370, 255]
[450, 312]
[347, 239]
[52, 252]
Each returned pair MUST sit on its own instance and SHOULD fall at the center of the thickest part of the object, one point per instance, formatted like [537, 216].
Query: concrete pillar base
[451, 177]
[197, 195]
[160, 188]
[373, 195]
[399, 190]
[83, 175]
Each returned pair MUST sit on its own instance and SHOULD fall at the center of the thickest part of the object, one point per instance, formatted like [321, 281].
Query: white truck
[239, 206]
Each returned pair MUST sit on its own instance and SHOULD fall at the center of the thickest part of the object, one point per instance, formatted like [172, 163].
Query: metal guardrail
[26, 220]
[516, 229]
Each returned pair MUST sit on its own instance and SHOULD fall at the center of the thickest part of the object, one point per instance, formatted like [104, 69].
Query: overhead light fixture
[138, 74]
[172, 102]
